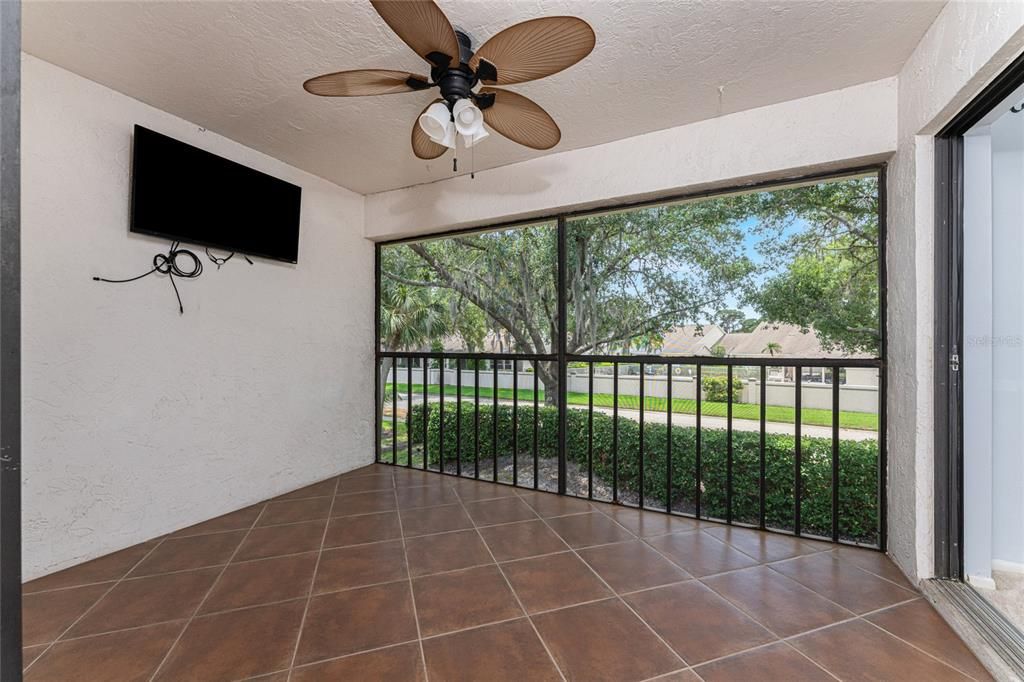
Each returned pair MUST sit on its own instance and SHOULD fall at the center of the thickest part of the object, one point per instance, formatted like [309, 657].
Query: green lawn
[773, 413]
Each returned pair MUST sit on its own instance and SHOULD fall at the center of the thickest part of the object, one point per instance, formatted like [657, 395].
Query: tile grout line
[312, 582]
[783, 640]
[759, 563]
[519, 601]
[93, 605]
[235, 609]
[412, 592]
[787, 640]
[206, 596]
[778, 639]
[321, 661]
[616, 594]
[522, 495]
[665, 676]
[828, 672]
[914, 646]
[829, 599]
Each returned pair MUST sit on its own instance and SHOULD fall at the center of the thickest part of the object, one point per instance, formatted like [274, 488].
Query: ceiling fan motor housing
[457, 82]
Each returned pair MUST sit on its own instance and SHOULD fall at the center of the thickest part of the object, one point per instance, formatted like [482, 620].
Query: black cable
[167, 264]
[221, 260]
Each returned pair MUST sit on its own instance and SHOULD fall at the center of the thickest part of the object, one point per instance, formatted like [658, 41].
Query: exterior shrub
[716, 389]
[858, 464]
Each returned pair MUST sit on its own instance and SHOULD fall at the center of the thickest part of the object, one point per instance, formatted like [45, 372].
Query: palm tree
[772, 348]
[410, 316]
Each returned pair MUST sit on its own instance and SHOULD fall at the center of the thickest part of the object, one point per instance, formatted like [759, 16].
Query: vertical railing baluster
[408, 412]
[426, 407]
[378, 409]
[728, 445]
[697, 444]
[882, 471]
[640, 498]
[835, 454]
[394, 411]
[798, 453]
[440, 415]
[615, 432]
[515, 422]
[536, 390]
[590, 431]
[668, 438]
[458, 416]
[763, 486]
[494, 420]
[476, 418]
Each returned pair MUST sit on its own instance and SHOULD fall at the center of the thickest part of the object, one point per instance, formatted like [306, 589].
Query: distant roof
[789, 341]
[691, 340]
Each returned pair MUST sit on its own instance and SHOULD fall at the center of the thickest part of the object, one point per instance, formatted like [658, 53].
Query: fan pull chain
[455, 149]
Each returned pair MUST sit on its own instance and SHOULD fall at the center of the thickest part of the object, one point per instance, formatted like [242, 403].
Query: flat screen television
[184, 193]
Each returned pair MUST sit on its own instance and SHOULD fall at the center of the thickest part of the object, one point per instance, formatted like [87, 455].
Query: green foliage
[749, 324]
[858, 464]
[716, 389]
[827, 268]
[730, 320]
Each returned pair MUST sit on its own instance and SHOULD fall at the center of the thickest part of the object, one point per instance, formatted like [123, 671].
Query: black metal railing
[661, 443]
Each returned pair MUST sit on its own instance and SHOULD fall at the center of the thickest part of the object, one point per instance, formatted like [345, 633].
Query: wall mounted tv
[187, 194]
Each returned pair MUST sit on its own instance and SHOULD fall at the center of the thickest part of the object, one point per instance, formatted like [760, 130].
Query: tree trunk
[547, 372]
[382, 382]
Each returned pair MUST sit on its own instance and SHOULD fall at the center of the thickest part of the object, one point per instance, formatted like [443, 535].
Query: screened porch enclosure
[717, 357]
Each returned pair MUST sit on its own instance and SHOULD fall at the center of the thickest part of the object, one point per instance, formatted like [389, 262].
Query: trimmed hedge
[858, 464]
[716, 389]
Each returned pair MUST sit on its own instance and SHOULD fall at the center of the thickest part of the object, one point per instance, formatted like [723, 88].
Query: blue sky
[751, 241]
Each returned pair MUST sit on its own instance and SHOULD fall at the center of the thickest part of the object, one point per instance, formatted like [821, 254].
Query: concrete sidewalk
[707, 421]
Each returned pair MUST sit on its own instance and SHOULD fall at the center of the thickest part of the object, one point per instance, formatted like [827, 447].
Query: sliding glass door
[993, 356]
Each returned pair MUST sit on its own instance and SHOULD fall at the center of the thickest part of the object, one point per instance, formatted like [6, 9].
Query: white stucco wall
[138, 421]
[969, 44]
[837, 129]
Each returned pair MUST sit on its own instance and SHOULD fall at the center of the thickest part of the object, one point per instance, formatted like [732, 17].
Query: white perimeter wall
[138, 421]
[967, 45]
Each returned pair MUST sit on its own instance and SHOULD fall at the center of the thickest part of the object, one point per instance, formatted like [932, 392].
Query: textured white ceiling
[237, 68]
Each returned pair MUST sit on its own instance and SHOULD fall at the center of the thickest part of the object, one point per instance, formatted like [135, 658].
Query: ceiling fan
[524, 52]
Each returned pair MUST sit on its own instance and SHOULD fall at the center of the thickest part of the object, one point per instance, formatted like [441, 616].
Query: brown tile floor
[391, 574]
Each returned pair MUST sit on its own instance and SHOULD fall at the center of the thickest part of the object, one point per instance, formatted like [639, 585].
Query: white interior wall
[137, 420]
[967, 45]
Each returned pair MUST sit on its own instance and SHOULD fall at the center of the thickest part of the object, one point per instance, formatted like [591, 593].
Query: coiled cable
[168, 264]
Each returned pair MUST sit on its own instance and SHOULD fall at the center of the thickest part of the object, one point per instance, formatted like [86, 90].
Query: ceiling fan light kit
[527, 51]
[436, 122]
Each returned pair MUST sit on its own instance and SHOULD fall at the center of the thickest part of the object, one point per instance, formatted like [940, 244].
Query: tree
[822, 244]
[410, 317]
[771, 348]
[750, 324]
[730, 320]
[630, 277]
